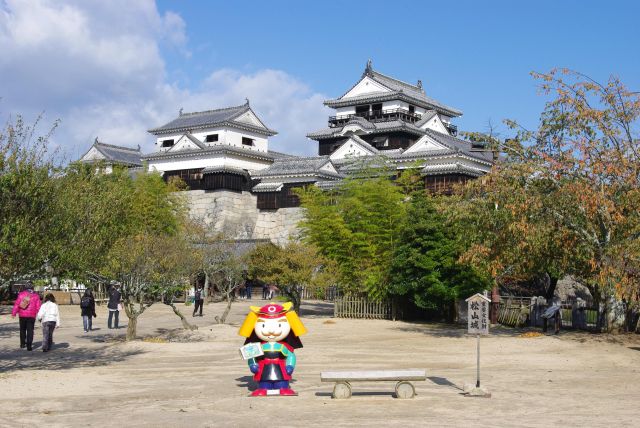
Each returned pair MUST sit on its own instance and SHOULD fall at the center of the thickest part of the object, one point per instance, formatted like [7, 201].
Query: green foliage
[26, 195]
[295, 265]
[425, 264]
[92, 211]
[358, 228]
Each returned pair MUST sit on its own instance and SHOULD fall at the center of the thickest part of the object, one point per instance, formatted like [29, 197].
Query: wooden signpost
[478, 324]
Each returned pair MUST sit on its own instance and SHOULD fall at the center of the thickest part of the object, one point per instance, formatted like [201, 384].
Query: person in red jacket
[26, 307]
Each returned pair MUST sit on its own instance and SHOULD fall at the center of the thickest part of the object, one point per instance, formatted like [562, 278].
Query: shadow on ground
[315, 309]
[453, 330]
[61, 357]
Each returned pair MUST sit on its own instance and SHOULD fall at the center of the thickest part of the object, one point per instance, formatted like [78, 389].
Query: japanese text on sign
[478, 319]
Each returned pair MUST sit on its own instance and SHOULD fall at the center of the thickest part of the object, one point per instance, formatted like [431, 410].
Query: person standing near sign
[26, 307]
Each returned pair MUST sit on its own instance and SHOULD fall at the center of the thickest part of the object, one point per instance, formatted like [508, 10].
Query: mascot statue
[272, 333]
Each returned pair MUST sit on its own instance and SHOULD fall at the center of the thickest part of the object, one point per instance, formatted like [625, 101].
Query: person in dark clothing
[88, 309]
[249, 291]
[198, 300]
[114, 306]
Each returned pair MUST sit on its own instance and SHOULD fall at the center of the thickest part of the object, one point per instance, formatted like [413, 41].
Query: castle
[243, 189]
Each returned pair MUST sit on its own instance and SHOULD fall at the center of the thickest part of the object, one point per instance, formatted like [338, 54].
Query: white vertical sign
[478, 314]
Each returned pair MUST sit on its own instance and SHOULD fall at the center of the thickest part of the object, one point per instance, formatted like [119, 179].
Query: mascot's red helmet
[270, 311]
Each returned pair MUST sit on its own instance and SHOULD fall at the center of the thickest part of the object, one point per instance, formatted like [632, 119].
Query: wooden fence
[356, 306]
[527, 311]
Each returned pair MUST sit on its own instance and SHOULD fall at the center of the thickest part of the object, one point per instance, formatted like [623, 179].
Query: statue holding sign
[272, 333]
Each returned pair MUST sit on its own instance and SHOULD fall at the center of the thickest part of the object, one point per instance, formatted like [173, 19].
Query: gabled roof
[459, 145]
[212, 118]
[195, 140]
[426, 117]
[116, 154]
[397, 90]
[298, 166]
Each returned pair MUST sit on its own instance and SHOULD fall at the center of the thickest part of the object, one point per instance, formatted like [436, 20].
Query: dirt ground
[178, 379]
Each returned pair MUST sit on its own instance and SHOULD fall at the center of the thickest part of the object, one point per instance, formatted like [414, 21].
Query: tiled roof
[379, 127]
[267, 187]
[399, 90]
[426, 117]
[119, 154]
[449, 168]
[458, 144]
[195, 141]
[295, 166]
[224, 168]
[222, 149]
[211, 118]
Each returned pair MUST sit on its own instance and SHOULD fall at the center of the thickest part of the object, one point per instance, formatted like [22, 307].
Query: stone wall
[236, 215]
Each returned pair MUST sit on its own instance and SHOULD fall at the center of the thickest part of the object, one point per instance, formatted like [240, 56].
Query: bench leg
[405, 390]
[341, 390]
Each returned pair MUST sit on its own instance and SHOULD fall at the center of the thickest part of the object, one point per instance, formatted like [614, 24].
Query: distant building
[244, 189]
[110, 155]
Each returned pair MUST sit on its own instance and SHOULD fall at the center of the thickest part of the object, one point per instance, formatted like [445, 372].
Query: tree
[149, 268]
[357, 226]
[425, 264]
[290, 268]
[220, 265]
[27, 168]
[579, 173]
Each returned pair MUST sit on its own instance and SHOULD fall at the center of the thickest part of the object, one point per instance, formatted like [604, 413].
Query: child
[50, 318]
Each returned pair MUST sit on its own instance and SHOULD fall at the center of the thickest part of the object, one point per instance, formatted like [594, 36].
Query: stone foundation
[236, 215]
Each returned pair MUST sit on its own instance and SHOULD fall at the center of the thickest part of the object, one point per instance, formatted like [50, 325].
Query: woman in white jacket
[49, 315]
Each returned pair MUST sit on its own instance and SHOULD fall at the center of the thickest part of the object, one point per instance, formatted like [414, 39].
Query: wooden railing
[373, 115]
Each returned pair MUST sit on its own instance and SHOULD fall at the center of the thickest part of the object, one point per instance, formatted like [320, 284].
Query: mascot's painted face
[272, 329]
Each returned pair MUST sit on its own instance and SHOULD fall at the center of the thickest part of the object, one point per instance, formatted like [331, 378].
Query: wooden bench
[343, 379]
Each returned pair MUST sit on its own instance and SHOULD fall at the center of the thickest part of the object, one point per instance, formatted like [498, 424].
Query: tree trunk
[132, 326]
[185, 324]
[553, 282]
[225, 314]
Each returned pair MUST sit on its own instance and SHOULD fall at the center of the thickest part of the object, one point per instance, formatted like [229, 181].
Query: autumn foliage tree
[566, 200]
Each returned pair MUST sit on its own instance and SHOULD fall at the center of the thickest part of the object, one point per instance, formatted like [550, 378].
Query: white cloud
[98, 66]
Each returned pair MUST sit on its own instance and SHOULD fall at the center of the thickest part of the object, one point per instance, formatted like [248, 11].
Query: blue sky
[114, 69]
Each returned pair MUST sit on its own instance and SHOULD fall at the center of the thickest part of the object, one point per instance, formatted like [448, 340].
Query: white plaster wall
[236, 215]
[228, 136]
[205, 161]
[343, 111]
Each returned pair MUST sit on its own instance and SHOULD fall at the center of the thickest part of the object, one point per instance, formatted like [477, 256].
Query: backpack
[85, 302]
[198, 295]
[24, 303]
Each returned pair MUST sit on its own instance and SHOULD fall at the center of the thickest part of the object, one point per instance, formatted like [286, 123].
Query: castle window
[412, 109]
[212, 138]
[247, 141]
[167, 143]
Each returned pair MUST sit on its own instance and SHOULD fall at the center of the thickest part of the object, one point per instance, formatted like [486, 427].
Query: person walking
[26, 307]
[249, 291]
[49, 316]
[198, 300]
[87, 309]
[114, 306]
[265, 291]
